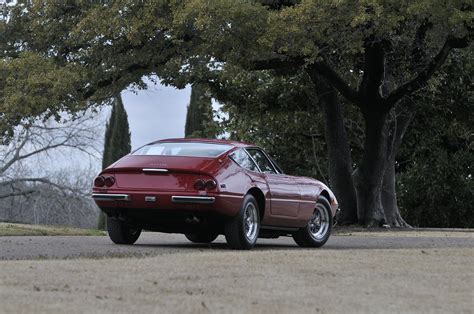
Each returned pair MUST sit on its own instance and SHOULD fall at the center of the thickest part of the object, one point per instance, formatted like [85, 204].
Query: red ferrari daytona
[203, 188]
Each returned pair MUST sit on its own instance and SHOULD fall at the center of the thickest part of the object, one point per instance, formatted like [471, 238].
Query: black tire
[306, 236]
[235, 230]
[201, 237]
[122, 233]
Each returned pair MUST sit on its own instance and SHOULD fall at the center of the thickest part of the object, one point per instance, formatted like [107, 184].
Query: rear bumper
[174, 201]
[177, 199]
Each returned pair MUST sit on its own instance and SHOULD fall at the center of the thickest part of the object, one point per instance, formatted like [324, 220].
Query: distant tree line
[50, 206]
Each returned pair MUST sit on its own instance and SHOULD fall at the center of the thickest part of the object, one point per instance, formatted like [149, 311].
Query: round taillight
[109, 181]
[199, 184]
[211, 185]
[99, 181]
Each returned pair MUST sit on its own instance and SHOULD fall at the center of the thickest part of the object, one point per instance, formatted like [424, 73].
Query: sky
[156, 113]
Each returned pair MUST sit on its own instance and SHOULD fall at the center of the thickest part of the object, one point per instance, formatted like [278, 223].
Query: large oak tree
[373, 53]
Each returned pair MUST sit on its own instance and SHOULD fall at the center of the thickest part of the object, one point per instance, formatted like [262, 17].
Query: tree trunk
[339, 154]
[369, 175]
[389, 197]
[398, 127]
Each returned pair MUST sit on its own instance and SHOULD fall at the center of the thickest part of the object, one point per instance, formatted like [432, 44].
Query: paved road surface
[152, 244]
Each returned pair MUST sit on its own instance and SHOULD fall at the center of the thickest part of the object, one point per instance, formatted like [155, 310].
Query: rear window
[183, 149]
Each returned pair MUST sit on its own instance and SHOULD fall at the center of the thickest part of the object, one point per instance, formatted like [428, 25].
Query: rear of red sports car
[203, 188]
[165, 186]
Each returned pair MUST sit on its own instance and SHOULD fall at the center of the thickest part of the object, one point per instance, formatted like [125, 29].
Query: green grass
[12, 229]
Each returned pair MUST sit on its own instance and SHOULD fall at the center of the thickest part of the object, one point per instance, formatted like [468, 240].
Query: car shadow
[215, 246]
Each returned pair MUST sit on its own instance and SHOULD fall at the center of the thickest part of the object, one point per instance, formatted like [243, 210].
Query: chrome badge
[150, 199]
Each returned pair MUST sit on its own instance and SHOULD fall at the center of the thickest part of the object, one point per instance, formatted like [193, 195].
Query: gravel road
[358, 273]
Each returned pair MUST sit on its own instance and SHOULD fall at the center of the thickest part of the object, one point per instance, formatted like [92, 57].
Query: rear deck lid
[162, 173]
[168, 166]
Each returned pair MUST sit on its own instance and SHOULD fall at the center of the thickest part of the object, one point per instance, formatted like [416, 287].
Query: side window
[262, 161]
[277, 166]
[243, 160]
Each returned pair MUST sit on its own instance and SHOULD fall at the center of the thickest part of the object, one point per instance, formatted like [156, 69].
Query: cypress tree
[117, 141]
[199, 117]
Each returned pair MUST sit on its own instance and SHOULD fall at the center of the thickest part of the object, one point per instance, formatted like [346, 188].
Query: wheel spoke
[250, 222]
[318, 226]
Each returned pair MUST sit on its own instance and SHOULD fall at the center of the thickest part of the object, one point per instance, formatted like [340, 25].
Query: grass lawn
[13, 229]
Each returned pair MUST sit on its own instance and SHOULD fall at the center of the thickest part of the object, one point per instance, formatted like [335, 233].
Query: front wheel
[122, 233]
[318, 229]
[242, 231]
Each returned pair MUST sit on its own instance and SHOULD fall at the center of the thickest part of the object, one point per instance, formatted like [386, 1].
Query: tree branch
[144, 67]
[31, 140]
[18, 193]
[275, 64]
[41, 180]
[422, 77]
[320, 68]
[278, 4]
[89, 92]
[335, 80]
[418, 45]
[313, 135]
[16, 155]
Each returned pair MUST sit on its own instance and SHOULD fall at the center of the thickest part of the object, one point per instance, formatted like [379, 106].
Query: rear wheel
[122, 233]
[318, 229]
[242, 231]
[201, 237]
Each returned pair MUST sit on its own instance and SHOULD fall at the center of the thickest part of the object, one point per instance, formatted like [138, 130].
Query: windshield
[183, 149]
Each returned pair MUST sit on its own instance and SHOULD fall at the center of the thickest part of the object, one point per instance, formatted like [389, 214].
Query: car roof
[204, 140]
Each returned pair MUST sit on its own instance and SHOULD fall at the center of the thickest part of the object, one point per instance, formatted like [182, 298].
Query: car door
[284, 192]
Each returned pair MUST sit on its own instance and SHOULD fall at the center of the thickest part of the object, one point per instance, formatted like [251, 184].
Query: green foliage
[199, 118]
[66, 56]
[32, 86]
[435, 180]
[313, 30]
[278, 114]
[436, 192]
[75, 54]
